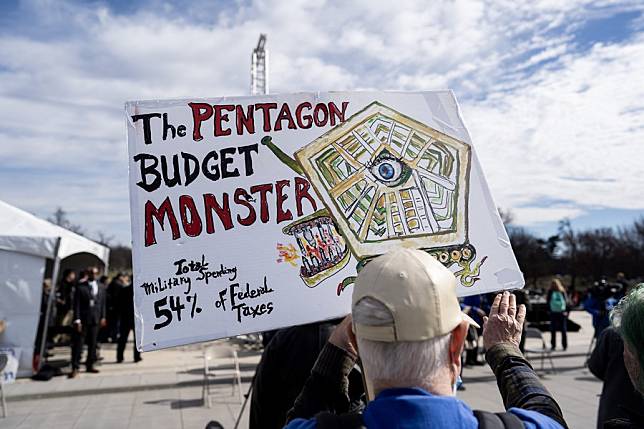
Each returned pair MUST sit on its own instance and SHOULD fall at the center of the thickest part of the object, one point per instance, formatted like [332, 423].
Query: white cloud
[571, 133]
[67, 69]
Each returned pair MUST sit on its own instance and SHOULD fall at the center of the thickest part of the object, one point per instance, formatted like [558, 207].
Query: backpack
[557, 302]
[486, 419]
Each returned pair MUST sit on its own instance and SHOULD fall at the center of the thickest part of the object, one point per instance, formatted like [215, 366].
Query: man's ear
[456, 343]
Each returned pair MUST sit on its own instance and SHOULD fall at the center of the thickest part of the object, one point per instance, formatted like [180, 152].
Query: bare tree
[104, 238]
[535, 255]
[60, 218]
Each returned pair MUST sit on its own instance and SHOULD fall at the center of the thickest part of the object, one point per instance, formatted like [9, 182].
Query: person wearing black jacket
[89, 316]
[628, 318]
[619, 398]
[125, 309]
[111, 305]
[282, 371]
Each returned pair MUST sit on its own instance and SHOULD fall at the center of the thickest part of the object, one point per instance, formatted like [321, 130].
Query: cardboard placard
[255, 213]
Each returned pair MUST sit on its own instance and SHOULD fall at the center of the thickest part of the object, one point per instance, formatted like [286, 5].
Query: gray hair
[403, 363]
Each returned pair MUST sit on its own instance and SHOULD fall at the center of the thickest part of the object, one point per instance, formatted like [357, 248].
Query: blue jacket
[415, 408]
[600, 310]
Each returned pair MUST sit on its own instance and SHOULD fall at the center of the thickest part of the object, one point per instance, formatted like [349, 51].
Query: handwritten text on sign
[192, 167]
[182, 169]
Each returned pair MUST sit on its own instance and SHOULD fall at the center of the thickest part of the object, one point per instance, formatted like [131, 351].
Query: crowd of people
[397, 359]
[90, 309]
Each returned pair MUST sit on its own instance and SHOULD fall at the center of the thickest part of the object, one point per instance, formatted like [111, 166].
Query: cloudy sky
[552, 91]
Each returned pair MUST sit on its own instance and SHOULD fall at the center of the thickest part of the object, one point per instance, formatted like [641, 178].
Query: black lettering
[226, 160]
[248, 160]
[190, 167]
[212, 171]
[167, 126]
[147, 133]
[146, 170]
[176, 176]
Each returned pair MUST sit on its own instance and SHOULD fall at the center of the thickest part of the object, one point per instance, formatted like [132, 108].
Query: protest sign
[255, 213]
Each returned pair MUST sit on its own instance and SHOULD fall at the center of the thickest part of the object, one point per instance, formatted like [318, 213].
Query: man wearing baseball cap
[409, 334]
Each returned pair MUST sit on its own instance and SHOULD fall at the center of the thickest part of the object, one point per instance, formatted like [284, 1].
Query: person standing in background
[523, 299]
[112, 304]
[623, 285]
[471, 306]
[64, 295]
[89, 316]
[103, 333]
[125, 309]
[599, 303]
[558, 306]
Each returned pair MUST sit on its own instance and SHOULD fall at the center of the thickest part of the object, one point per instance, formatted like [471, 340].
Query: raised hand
[505, 323]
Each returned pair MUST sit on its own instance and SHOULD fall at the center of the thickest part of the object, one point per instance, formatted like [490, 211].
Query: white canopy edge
[23, 232]
[37, 246]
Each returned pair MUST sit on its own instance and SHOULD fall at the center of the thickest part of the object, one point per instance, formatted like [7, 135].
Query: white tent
[26, 244]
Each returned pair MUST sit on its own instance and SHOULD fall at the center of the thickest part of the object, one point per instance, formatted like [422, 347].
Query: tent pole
[50, 302]
[107, 262]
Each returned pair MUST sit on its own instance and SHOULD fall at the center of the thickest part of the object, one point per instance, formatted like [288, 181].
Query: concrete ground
[165, 391]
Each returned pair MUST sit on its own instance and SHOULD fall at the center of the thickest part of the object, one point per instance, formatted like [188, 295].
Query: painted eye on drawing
[387, 170]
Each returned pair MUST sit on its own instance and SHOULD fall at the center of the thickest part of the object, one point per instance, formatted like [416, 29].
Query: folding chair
[543, 352]
[3, 364]
[217, 361]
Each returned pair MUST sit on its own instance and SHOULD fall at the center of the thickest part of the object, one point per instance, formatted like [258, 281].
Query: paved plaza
[165, 391]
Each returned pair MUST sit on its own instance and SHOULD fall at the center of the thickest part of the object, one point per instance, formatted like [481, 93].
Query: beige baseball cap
[418, 290]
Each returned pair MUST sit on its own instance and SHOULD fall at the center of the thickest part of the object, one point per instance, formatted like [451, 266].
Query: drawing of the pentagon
[390, 180]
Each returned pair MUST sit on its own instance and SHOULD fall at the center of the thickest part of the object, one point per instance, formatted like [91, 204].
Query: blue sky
[552, 92]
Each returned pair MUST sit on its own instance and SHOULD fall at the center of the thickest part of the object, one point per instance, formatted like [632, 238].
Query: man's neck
[439, 389]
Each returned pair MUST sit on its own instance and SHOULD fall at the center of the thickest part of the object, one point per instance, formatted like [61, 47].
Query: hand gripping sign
[256, 213]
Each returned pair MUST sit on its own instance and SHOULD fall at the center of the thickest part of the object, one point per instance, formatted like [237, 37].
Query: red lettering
[200, 113]
[164, 210]
[285, 114]
[247, 121]
[266, 111]
[210, 203]
[222, 117]
[302, 187]
[241, 197]
[335, 112]
[299, 117]
[191, 226]
[282, 215]
[263, 203]
[320, 107]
